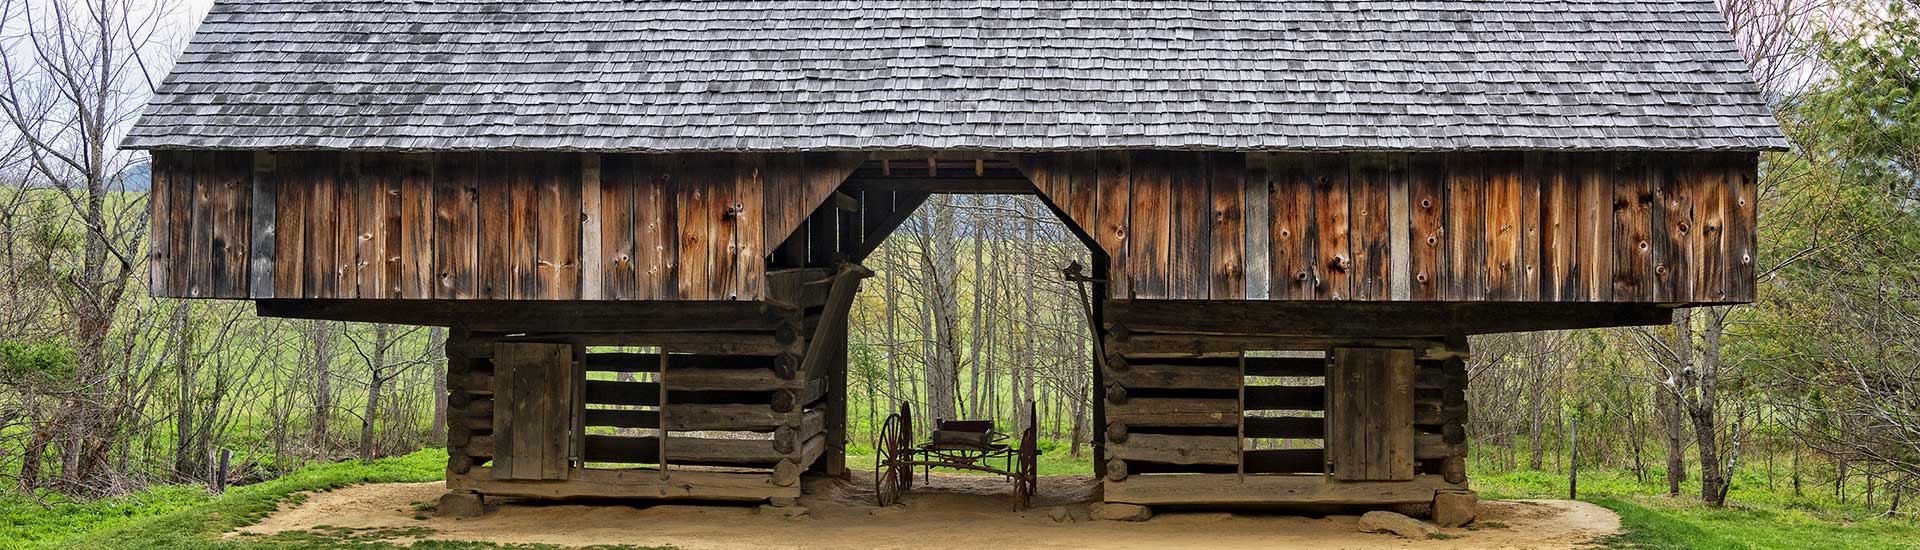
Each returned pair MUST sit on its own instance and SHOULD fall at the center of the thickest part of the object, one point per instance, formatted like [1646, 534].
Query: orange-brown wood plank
[493, 257]
[1331, 229]
[1594, 172]
[1292, 244]
[1706, 245]
[1466, 221]
[1373, 178]
[720, 174]
[1190, 227]
[1113, 231]
[691, 219]
[416, 227]
[523, 226]
[1152, 230]
[1633, 204]
[1532, 216]
[347, 193]
[750, 247]
[385, 264]
[200, 229]
[1503, 226]
[557, 253]
[1227, 252]
[456, 227]
[656, 243]
[1673, 226]
[1742, 198]
[1560, 261]
[1083, 193]
[1428, 203]
[618, 277]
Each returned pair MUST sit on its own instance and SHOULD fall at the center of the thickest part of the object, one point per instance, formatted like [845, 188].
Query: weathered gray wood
[788, 437]
[787, 472]
[553, 316]
[1258, 228]
[1177, 449]
[264, 228]
[1330, 319]
[681, 450]
[535, 382]
[1176, 412]
[1370, 414]
[590, 227]
[792, 398]
[1230, 489]
[1152, 375]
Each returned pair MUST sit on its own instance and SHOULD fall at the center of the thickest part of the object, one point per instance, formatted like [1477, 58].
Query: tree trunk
[1704, 381]
[322, 382]
[1671, 413]
[187, 457]
[943, 382]
[437, 341]
[376, 378]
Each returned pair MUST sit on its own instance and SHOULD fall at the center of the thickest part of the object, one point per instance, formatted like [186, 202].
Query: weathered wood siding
[1497, 226]
[1670, 228]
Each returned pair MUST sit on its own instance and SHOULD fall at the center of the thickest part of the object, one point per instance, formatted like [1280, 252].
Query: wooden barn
[644, 220]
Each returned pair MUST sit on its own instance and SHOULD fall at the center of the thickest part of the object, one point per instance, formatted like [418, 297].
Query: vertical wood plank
[1190, 226]
[1289, 199]
[1633, 203]
[1706, 246]
[750, 247]
[1561, 262]
[592, 266]
[1400, 227]
[1595, 174]
[719, 174]
[200, 234]
[1257, 222]
[456, 226]
[1147, 261]
[1532, 218]
[1673, 230]
[619, 276]
[321, 218]
[263, 217]
[159, 221]
[1116, 214]
[525, 182]
[1742, 199]
[390, 261]
[534, 381]
[1428, 205]
[1083, 193]
[351, 197]
[1467, 240]
[1503, 226]
[1332, 204]
[234, 183]
[691, 222]
[289, 252]
[1370, 414]
[656, 243]
[1227, 253]
[417, 220]
[1374, 177]
[493, 260]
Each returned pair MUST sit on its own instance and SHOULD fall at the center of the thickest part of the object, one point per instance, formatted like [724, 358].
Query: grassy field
[187, 518]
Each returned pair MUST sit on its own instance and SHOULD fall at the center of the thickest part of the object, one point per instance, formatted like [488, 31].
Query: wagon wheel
[1026, 479]
[904, 442]
[888, 476]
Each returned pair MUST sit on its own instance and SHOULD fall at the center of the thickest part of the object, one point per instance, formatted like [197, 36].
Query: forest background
[1804, 406]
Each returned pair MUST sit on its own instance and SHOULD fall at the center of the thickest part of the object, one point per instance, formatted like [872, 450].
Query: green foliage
[200, 525]
[35, 362]
[25, 521]
[1660, 524]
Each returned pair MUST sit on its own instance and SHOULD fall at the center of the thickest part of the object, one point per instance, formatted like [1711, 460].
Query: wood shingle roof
[1016, 75]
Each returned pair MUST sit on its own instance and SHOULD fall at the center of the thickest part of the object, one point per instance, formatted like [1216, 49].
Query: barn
[650, 215]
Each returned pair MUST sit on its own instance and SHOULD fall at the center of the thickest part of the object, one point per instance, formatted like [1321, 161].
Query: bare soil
[953, 512]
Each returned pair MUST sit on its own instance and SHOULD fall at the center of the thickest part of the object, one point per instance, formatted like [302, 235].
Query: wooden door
[1370, 414]
[533, 411]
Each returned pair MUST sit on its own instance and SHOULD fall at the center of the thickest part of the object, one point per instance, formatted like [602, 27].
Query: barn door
[1370, 414]
[533, 410]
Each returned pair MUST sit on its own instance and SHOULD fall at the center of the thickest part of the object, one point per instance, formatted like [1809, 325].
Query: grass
[1757, 518]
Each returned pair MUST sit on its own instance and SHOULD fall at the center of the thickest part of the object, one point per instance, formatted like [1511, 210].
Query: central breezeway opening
[970, 316]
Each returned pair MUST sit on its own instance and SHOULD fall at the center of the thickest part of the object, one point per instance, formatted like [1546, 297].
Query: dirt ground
[951, 512]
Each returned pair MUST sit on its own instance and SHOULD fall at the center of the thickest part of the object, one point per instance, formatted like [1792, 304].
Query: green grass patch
[1660, 523]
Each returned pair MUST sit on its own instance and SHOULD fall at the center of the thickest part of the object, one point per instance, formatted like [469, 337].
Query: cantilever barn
[1360, 184]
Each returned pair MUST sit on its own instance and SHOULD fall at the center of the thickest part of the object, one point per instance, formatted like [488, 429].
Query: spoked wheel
[892, 477]
[1026, 479]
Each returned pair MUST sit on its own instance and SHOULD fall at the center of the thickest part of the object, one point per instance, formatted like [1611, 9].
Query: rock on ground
[1121, 512]
[1060, 514]
[461, 505]
[1454, 509]
[1398, 524]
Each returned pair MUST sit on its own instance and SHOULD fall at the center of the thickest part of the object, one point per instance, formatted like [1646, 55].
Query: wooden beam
[980, 185]
[540, 315]
[1230, 489]
[637, 483]
[1371, 318]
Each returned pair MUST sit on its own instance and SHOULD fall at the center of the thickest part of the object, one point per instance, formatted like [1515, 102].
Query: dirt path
[954, 511]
